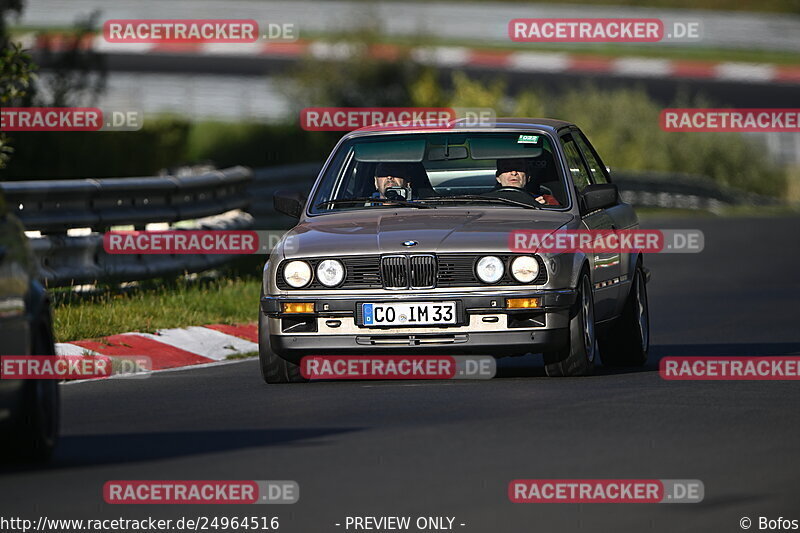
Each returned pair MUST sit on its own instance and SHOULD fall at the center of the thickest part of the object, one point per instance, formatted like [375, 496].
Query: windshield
[436, 170]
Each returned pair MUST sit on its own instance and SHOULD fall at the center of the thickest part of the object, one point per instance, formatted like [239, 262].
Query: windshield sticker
[528, 139]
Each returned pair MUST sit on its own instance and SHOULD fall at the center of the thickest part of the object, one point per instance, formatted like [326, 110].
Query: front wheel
[577, 357]
[628, 341]
[274, 368]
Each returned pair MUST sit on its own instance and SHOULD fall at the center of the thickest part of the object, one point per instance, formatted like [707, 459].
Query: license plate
[409, 314]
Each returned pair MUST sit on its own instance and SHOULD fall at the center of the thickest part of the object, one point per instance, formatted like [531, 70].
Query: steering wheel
[542, 190]
[514, 189]
[529, 196]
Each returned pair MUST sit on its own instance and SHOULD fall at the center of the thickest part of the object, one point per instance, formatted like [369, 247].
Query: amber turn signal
[523, 303]
[307, 307]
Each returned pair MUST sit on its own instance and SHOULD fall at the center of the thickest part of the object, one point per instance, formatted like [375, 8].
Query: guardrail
[72, 260]
[53, 207]
[686, 191]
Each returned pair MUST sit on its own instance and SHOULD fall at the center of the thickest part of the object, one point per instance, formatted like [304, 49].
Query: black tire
[274, 368]
[35, 433]
[578, 356]
[627, 342]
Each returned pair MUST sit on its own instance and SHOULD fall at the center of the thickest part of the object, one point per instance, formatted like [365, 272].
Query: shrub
[98, 154]
[623, 125]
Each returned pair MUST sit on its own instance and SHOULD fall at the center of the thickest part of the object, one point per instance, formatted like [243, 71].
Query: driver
[513, 173]
[391, 175]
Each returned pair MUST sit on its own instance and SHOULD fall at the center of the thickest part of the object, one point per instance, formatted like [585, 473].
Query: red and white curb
[173, 348]
[454, 56]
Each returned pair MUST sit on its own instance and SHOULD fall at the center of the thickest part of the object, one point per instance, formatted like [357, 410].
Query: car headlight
[330, 272]
[489, 269]
[525, 268]
[297, 274]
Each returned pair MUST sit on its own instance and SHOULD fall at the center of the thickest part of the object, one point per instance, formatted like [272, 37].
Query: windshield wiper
[385, 201]
[479, 198]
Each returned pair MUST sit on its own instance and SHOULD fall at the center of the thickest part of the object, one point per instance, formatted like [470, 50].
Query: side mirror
[289, 203]
[599, 196]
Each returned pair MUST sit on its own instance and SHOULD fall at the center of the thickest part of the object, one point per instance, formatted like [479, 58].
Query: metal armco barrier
[53, 206]
[66, 260]
[212, 200]
[685, 191]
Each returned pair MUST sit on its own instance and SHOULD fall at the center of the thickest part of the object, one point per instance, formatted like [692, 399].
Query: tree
[17, 72]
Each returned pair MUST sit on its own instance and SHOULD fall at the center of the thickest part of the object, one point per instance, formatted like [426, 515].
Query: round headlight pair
[330, 273]
[524, 268]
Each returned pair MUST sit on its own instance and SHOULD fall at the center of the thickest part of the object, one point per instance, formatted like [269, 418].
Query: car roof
[544, 123]
[501, 123]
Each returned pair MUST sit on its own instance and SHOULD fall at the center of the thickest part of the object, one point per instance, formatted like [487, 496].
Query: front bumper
[294, 347]
[486, 327]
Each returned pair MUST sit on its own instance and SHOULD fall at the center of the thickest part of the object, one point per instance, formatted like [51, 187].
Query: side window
[596, 167]
[580, 176]
[351, 180]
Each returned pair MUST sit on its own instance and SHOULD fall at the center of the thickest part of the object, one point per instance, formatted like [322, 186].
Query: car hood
[440, 230]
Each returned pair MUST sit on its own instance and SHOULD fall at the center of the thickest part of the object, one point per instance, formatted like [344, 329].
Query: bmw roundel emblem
[410, 243]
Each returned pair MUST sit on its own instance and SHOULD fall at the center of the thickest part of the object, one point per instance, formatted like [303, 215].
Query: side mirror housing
[599, 196]
[289, 203]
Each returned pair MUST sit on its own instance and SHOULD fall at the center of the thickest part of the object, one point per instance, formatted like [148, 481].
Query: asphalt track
[450, 448]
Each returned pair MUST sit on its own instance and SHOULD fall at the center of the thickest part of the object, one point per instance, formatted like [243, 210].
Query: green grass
[154, 305]
[246, 355]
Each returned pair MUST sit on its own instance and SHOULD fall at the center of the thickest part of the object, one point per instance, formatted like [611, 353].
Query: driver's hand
[540, 199]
